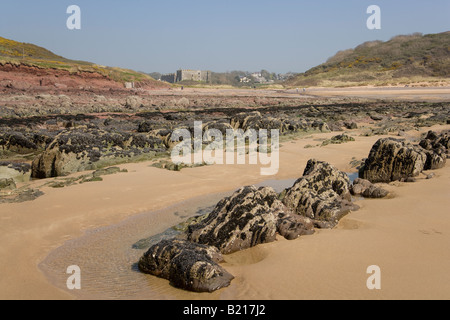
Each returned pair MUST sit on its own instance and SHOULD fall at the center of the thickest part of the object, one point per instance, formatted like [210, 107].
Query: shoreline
[66, 214]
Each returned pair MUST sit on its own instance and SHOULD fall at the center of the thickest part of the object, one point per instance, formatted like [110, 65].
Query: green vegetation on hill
[401, 60]
[18, 53]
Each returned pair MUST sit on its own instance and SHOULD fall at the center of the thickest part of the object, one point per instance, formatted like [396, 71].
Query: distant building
[187, 75]
[244, 79]
[193, 75]
[258, 77]
[170, 78]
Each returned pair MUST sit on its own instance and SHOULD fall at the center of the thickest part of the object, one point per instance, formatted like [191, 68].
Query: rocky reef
[252, 216]
[395, 160]
[249, 217]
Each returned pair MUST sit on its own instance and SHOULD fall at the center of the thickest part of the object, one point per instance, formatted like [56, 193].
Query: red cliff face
[27, 78]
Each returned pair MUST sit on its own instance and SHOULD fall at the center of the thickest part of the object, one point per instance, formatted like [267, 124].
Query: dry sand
[407, 236]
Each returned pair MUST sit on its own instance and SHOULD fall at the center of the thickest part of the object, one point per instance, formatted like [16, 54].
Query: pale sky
[249, 35]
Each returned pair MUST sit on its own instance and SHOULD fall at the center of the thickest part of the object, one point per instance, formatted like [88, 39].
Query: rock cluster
[395, 160]
[86, 149]
[436, 147]
[249, 217]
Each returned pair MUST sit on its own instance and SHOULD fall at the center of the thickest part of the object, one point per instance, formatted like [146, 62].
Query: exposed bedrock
[244, 220]
[322, 194]
[88, 149]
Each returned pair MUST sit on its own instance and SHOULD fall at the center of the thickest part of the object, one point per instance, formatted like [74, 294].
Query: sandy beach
[406, 235]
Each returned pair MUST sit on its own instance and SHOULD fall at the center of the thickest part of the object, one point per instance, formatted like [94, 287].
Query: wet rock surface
[186, 265]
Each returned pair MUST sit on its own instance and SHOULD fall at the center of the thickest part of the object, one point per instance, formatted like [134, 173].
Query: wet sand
[408, 236]
[397, 93]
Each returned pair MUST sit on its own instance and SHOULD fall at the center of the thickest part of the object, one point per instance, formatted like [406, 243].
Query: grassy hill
[401, 60]
[18, 53]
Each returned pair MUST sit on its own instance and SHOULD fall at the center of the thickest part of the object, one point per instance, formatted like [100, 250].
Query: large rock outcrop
[322, 194]
[88, 149]
[391, 160]
[244, 220]
[186, 265]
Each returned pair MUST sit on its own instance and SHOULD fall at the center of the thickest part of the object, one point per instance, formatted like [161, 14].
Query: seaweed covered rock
[391, 160]
[284, 123]
[243, 220]
[23, 141]
[436, 146]
[366, 189]
[186, 265]
[322, 194]
[88, 149]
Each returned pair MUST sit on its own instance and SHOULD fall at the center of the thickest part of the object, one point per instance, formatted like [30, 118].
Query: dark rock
[322, 194]
[365, 188]
[292, 226]
[244, 220]
[436, 147]
[391, 160]
[186, 265]
[351, 125]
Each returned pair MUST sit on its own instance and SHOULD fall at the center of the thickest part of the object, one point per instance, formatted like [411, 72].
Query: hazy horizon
[150, 36]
